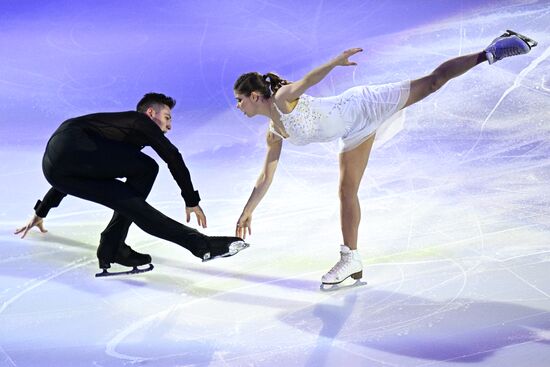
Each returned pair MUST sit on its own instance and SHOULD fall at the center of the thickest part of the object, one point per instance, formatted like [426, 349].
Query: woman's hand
[35, 221]
[342, 59]
[243, 224]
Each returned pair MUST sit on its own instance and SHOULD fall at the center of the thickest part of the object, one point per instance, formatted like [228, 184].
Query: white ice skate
[508, 44]
[349, 265]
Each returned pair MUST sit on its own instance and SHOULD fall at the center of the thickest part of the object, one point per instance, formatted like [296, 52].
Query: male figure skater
[85, 157]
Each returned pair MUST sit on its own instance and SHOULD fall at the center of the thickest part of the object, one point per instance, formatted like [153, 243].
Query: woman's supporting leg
[423, 87]
[352, 167]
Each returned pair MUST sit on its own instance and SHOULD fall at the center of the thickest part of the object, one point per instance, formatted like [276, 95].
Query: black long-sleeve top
[133, 128]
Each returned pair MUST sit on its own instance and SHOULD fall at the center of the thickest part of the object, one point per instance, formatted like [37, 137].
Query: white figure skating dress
[351, 117]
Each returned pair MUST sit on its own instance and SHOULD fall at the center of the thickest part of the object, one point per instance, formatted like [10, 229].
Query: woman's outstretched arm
[274, 145]
[294, 90]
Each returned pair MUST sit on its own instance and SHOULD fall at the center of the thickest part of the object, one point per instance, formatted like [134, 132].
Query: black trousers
[90, 167]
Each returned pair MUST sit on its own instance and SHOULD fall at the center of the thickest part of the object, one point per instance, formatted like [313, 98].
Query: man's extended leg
[124, 200]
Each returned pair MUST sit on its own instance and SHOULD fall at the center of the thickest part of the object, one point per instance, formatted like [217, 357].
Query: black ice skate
[223, 247]
[126, 257]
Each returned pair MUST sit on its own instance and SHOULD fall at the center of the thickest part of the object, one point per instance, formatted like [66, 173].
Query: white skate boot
[508, 44]
[349, 266]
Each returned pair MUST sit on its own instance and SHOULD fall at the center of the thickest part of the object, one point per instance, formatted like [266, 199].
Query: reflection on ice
[455, 232]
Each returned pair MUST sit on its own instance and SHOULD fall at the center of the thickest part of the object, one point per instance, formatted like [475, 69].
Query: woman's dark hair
[154, 99]
[267, 84]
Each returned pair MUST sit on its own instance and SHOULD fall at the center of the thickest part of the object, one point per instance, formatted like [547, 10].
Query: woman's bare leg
[423, 87]
[352, 167]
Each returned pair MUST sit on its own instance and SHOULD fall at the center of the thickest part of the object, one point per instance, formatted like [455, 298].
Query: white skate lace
[340, 265]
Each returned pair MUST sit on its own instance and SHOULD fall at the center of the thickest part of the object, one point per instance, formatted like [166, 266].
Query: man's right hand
[35, 221]
[201, 218]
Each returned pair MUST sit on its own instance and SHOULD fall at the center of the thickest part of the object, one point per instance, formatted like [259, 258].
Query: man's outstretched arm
[173, 158]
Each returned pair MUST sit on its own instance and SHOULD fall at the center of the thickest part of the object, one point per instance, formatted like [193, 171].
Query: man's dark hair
[153, 99]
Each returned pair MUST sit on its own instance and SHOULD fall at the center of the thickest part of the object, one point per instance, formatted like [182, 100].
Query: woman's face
[245, 103]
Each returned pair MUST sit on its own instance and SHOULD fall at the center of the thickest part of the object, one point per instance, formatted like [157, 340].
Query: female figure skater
[353, 117]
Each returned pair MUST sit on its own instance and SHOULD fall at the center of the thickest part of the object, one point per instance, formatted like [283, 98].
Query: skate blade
[135, 270]
[530, 42]
[234, 249]
[339, 286]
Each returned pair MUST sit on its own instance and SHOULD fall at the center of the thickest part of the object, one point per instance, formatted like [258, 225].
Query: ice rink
[455, 231]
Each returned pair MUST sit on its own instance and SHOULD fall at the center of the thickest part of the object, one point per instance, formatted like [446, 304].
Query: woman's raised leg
[423, 87]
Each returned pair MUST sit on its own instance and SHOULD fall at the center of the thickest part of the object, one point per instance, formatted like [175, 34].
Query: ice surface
[455, 232]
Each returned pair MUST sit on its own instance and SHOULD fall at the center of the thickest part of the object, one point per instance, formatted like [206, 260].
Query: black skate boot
[221, 246]
[125, 256]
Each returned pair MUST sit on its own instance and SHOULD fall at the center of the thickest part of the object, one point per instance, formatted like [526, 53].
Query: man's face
[162, 116]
